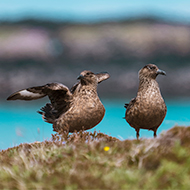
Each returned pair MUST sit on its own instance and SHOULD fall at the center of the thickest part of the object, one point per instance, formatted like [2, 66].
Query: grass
[81, 161]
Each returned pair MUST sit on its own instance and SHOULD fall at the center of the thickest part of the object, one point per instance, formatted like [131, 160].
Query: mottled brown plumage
[69, 110]
[148, 109]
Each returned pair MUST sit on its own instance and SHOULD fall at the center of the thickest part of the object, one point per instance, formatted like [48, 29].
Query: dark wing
[59, 95]
[28, 94]
[102, 76]
[130, 104]
[74, 87]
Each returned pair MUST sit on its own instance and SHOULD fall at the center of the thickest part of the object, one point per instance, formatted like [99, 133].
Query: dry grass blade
[81, 161]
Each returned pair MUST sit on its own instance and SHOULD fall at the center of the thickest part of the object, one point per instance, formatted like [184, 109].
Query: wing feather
[27, 94]
[59, 95]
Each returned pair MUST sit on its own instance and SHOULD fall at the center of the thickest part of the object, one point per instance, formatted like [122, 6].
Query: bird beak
[80, 77]
[160, 72]
[102, 76]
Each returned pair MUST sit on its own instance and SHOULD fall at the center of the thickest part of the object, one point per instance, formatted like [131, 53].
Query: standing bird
[69, 110]
[148, 109]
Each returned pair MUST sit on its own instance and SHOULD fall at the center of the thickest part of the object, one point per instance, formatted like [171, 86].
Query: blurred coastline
[36, 52]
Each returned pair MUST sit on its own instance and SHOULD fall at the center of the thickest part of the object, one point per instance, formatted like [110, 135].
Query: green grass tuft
[79, 161]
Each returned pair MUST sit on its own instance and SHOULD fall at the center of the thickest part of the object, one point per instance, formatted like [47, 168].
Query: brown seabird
[148, 109]
[69, 110]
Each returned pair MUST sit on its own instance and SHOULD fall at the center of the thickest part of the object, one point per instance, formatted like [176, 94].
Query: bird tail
[126, 105]
[48, 113]
[28, 94]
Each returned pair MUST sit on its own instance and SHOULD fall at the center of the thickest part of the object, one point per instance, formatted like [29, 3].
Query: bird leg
[155, 135]
[137, 133]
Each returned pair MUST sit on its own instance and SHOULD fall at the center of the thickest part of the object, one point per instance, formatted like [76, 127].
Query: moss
[79, 161]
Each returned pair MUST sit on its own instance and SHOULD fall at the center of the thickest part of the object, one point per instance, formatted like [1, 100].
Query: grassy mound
[96, 161]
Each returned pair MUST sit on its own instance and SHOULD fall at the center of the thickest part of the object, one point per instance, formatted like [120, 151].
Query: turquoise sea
[20, 123]
[94, 10]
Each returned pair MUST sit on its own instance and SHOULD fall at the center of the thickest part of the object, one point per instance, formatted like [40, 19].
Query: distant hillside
[33, 52]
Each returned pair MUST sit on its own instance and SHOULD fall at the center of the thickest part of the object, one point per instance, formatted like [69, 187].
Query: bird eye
[87, 73]
[151, 67]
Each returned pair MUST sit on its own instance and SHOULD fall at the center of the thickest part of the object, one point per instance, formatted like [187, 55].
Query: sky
[94, 10]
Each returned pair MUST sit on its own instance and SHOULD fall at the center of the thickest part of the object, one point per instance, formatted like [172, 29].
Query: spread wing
[59, 95]
[102, 76]
[28, 94]
[74, 87]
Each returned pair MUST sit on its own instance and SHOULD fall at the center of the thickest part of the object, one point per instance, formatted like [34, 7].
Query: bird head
[88, 77]
[150, 71]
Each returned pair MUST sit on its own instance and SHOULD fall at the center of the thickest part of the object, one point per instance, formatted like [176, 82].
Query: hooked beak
[80, 77]
[160, 72]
